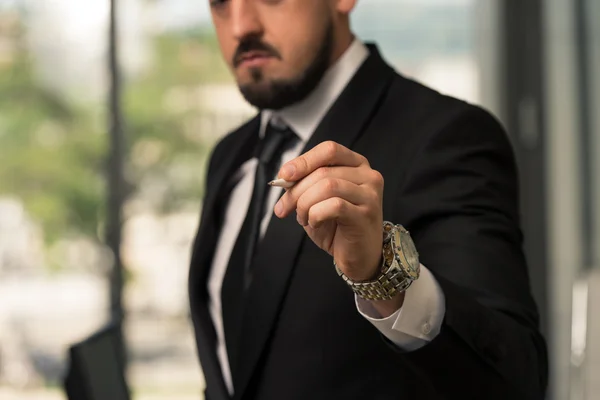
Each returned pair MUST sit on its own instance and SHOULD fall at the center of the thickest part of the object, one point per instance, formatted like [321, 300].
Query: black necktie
[237, 277]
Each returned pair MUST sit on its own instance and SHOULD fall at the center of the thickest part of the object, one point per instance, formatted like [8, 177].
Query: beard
[280, 93]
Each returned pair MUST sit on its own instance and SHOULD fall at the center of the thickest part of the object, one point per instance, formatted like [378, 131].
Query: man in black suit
[274, 317]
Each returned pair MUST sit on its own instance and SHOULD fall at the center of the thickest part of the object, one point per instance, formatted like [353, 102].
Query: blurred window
[178, 100]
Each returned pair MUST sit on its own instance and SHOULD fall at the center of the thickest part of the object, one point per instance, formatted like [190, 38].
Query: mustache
[253, 44]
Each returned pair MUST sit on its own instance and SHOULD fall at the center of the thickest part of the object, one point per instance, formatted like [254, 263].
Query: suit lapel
[278, 251]
[210, 225]
[204, 247]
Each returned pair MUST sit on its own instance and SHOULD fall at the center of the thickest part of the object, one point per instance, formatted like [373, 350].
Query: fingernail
[288, 171]
[299, 220]
[278, 208]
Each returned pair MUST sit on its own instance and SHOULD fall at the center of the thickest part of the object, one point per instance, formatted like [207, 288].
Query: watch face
[408, 250]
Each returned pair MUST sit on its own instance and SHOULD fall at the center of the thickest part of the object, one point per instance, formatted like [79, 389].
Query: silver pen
[282, 183]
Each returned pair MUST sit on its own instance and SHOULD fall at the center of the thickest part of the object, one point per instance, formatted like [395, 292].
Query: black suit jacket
[450, 178]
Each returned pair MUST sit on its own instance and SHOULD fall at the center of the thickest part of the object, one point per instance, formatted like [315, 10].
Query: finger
[328, 188]
[325, 154]
[334, 209]
[289, 199]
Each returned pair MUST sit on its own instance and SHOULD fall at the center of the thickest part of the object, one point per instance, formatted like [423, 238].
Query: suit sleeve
[460, 202]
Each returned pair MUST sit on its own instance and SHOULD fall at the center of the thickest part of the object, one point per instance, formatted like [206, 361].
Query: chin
[266, 91]
[253, 86]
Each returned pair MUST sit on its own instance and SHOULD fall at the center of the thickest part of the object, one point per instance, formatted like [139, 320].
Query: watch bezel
[401, 251]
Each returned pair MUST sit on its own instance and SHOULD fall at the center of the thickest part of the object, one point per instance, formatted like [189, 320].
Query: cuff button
[426, 328]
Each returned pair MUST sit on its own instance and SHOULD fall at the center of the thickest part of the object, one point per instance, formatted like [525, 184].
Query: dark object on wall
[95, 371]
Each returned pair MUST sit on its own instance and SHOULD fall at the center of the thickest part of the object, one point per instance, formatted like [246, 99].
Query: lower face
[264, 83]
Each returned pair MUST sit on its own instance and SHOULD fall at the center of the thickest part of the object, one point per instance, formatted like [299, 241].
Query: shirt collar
[304, 117]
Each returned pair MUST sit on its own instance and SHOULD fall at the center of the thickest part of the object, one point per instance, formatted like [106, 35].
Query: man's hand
[338, 201]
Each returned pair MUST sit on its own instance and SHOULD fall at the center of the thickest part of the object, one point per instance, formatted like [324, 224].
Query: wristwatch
[400, 266]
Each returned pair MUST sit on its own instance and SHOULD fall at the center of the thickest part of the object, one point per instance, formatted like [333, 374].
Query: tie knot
[278, 138]
[276, 127]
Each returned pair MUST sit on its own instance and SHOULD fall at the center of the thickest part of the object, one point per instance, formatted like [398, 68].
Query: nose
[245, 19]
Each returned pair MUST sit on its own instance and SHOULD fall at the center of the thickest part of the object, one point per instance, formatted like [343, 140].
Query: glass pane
[179, 99]
[52, 146]
[184, 101]
[177, 106]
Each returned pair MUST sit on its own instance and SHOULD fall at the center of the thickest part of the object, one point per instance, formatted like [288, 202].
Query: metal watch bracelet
[396, 274]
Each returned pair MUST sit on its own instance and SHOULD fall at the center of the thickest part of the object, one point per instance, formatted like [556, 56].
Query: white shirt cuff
[420, 318]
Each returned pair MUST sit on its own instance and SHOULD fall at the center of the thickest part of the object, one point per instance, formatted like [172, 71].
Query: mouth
[253, 59]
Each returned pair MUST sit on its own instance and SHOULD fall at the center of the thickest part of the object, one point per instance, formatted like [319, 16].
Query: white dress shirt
[420, 318]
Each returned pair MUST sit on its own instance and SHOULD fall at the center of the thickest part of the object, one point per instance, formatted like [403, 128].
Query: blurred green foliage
[50, 153]
[53, 152]
[167, 135]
